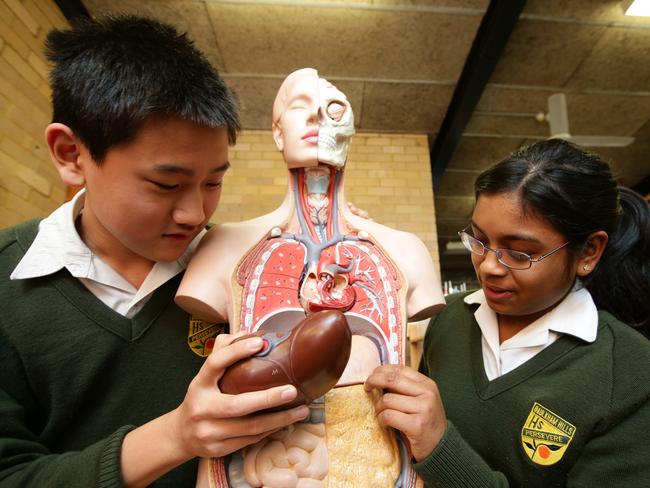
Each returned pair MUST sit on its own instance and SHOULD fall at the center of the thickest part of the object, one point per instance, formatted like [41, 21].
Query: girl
[535, 379]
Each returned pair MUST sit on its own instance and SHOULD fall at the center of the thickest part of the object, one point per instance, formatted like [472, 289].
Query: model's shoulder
[22, 234]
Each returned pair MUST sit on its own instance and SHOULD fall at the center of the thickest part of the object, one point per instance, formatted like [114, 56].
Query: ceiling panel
[616, 62]
[542, 52]
[477, 153]
[404, 107]
[343, 41]
[508, 125]
[187, 15]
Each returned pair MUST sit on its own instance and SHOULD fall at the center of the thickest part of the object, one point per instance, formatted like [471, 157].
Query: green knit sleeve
[25, 462]
[454, 464]
[618, 449]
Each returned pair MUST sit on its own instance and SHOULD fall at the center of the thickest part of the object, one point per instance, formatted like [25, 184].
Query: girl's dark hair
[575, 192]
[110, 75]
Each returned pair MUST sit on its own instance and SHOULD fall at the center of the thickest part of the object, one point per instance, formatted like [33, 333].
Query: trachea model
[309, 255]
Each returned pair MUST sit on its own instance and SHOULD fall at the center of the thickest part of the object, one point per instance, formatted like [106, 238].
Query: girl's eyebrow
[512, 237]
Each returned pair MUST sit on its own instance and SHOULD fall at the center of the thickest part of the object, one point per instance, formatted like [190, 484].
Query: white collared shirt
[58, 245]
[576, 315]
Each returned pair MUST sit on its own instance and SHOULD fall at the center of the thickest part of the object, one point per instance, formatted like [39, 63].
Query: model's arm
[424, 297]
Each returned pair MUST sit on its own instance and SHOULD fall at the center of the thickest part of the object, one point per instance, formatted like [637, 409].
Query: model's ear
[277, 136]
[592, 252]
[65, 151]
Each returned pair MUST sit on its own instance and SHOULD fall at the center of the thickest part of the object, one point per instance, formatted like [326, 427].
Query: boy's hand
[411, 403]
[212, 424]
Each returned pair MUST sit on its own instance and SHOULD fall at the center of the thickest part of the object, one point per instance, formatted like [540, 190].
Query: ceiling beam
[73, 10]
[493, 33]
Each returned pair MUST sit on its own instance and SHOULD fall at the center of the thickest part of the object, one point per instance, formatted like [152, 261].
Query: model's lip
[311, 136]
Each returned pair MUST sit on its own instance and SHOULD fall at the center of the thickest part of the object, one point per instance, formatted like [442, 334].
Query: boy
[91, 341]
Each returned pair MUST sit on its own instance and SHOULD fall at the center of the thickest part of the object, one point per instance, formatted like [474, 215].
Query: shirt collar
[575, 315]
[57, 245]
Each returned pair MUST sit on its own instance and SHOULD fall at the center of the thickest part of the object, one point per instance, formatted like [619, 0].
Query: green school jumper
[575, 415]
[76, 376]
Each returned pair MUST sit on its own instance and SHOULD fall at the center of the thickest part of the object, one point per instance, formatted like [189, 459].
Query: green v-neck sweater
[577, 414]
[75, 376]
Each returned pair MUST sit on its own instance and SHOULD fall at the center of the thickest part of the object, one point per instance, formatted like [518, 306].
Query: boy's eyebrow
[177, 169]
[512, 237]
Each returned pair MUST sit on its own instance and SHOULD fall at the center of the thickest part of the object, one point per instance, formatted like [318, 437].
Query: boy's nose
[189, 211]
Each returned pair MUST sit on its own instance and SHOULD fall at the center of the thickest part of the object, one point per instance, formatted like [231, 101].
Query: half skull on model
[312, 254]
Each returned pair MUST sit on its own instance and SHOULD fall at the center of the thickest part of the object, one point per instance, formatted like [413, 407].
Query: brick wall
[29, 185]
[387, 174]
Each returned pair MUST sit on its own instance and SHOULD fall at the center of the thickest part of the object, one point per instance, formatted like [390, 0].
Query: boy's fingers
[225, 355]
[250, 402]
[263, 424]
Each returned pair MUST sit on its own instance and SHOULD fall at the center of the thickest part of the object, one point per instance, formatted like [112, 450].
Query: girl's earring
[586, 268]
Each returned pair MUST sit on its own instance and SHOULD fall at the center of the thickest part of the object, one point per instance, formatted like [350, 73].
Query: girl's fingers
[398, 379]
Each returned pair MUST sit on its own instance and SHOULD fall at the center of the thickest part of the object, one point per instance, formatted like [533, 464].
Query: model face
[298, 123]
[499, 222]
[314, 121]
[150, 197]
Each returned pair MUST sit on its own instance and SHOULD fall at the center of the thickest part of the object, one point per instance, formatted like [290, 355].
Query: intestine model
[313, 254]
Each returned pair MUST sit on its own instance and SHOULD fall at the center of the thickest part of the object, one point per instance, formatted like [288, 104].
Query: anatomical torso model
[312, 254]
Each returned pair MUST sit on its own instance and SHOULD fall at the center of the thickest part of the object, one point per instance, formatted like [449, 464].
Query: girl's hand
[410, 403]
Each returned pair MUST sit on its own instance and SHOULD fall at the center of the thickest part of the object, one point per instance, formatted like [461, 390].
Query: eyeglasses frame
[498, 252]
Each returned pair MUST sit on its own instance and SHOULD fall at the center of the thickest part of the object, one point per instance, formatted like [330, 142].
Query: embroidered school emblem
[201, 336]
[545, 435]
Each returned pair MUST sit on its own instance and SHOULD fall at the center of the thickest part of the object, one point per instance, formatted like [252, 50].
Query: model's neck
[317, 196]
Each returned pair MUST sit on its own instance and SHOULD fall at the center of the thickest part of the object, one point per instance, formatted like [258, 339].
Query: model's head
[111, 75]
[312, 121]
[564, 194]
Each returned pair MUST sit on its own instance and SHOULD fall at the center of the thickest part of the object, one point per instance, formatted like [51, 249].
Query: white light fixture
[637, 8]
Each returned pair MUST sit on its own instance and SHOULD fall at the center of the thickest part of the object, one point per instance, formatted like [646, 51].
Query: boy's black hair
[110, 75]
[574, 190]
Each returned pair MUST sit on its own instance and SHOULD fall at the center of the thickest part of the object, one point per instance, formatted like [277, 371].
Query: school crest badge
[545, 435]
[201, 336]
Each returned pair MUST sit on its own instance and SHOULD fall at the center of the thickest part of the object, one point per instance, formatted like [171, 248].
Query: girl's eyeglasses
[508, 257]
